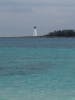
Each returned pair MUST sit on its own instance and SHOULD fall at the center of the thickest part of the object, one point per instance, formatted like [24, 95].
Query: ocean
[37, 68]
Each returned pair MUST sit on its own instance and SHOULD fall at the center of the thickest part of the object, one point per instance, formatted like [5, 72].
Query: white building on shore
[34, 31]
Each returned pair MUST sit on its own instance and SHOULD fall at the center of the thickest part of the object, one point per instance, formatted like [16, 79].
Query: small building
[34, 31]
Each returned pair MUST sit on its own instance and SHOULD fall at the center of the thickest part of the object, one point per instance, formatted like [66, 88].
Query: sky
[17, 17]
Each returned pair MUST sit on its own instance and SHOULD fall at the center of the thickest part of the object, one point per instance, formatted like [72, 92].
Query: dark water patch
[38, 42]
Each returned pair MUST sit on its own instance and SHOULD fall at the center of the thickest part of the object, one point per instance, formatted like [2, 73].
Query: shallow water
[37, 69]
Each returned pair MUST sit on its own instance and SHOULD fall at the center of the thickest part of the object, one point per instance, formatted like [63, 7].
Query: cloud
[27, 5]
[13, 6]
[19, 16]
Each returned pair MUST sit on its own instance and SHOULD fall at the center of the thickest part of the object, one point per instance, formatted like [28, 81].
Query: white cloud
[19, 16]
[27, 5]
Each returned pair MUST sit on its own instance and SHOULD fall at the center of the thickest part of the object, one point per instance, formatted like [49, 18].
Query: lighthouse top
[34, 27]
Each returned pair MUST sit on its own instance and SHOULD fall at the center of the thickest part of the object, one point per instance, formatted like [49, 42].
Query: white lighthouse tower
[35, 31]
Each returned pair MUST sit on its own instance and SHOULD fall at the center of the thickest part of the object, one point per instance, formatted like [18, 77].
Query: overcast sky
[17, 17]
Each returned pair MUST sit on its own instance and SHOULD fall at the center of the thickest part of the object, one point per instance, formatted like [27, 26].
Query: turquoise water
[37, 69]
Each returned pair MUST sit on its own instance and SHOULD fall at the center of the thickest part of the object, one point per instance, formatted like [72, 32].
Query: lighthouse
[34, 31]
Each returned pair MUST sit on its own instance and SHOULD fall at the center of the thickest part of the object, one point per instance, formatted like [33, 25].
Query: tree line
[61, 33]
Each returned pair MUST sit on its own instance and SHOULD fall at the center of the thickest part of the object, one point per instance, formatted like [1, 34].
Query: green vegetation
[61, 33]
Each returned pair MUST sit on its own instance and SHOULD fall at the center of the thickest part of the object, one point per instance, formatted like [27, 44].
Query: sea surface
[37, 68]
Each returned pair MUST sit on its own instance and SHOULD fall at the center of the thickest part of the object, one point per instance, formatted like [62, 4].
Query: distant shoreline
[55, 34]
[21, 36]
[61, 33]
[40, 37]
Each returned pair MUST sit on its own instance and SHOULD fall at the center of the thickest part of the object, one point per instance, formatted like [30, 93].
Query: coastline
[40, 37]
